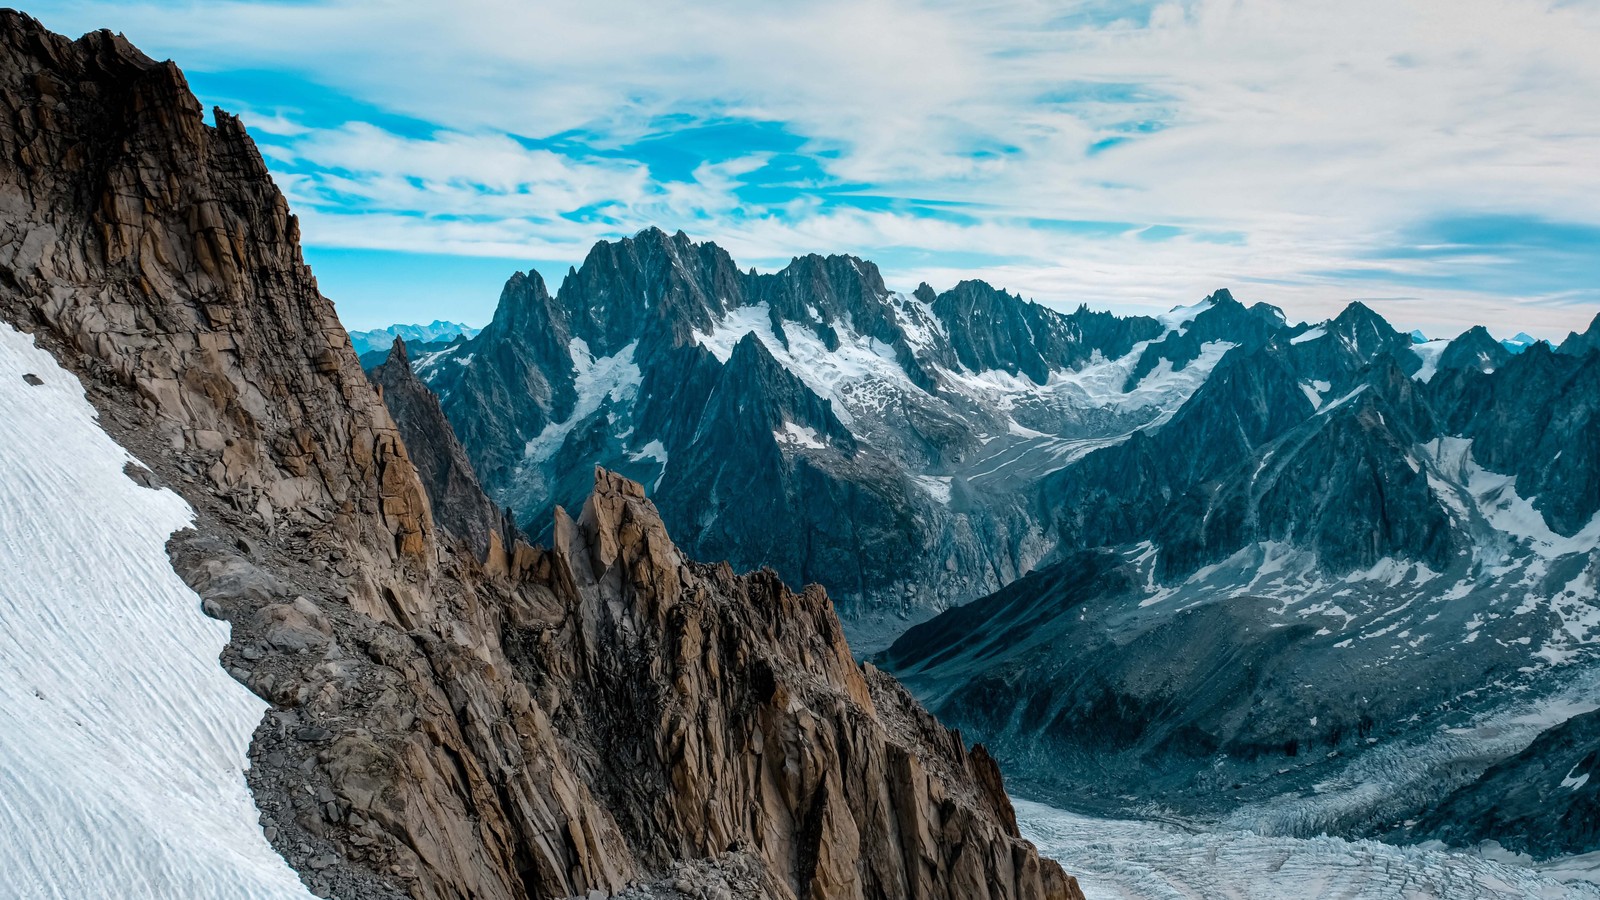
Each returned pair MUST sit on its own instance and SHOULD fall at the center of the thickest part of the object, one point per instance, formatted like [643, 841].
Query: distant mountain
[888, 444]
[379, 339]
[1521, 342]
[372, 359]
[1347, 575]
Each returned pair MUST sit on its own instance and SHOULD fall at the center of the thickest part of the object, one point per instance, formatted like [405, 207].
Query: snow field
[122, 740]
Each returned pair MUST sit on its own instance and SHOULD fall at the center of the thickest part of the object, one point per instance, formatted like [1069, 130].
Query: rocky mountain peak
[650, 286]
[1475, 349]
[1579, 344]
[837, 291]
[1359, 324]
[525, 307]
[457, 501]
[1220, 318]
[1228, 319]
[399, 358]
[989, 329]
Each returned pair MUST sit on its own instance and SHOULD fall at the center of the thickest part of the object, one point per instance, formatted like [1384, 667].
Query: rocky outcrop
[458, 501]
[566, 721]
[754, 727]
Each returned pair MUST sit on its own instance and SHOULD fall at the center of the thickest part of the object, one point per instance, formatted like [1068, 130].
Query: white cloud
[1322, 132]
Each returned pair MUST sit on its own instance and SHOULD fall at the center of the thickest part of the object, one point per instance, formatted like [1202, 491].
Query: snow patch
[1179, 316]
[1430, 353]
[937, 486]
[1343, 400]
[794, 435]
[1099, 384]
[122, 740]
[615, 378]
[657, 451]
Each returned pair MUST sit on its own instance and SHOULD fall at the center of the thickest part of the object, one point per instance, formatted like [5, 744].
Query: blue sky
[1438, 160]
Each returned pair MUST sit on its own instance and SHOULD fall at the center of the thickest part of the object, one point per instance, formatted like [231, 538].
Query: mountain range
[887, 442]
[1346, 588]
[1217, 560]
[378, 340]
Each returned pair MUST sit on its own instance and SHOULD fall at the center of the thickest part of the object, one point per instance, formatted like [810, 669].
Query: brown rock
[458, 502]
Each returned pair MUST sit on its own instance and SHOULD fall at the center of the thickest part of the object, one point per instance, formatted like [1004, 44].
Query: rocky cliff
[546, 723]
[458, 501]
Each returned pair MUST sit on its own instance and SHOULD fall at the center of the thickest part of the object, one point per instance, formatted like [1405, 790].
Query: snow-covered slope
[122, 741]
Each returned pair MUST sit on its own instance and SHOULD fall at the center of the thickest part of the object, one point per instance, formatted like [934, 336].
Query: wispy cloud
[1314, 151]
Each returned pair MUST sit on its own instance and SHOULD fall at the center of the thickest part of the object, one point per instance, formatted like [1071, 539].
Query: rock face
[157, 248]
[759, 731]
[1579, 344]
[1544, 801]
[550, 723]
[1476, 350]
[458, 502]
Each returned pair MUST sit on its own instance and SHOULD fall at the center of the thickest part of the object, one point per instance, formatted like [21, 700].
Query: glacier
[1128, 859]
